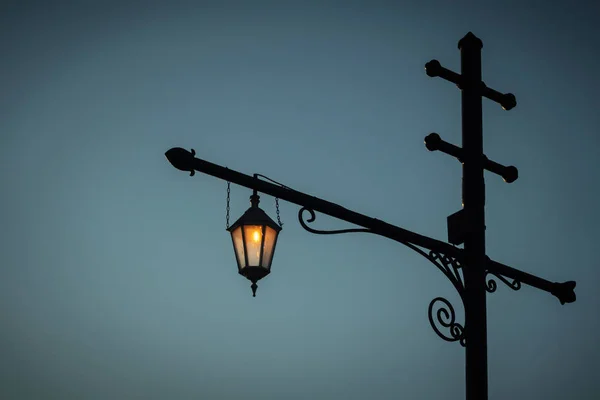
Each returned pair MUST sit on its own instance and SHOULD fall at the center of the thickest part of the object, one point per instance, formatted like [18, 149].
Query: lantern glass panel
[238, 245]
[270, 238]
[253, 235]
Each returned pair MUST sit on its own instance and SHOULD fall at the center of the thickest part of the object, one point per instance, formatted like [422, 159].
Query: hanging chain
[276, 199]
[277, 208]
[227, 209]
[227, 215]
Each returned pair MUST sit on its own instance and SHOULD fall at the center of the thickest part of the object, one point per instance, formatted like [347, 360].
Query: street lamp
[254, 236]
[470, 270]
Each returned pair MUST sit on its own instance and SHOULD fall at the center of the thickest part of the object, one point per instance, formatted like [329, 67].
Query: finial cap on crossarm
[433, 68]
[565, 292]
[182, 159]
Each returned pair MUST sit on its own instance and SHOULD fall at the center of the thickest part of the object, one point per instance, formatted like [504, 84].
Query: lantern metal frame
[254, 216]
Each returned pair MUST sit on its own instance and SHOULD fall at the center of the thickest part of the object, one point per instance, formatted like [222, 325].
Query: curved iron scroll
[491, 285]
[450, 266]
[321, 232]
[446, 317]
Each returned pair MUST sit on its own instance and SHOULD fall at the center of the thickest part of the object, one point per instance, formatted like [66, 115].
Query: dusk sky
[118, 279]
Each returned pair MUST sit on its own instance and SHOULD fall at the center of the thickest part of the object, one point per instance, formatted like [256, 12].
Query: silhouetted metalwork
[433, 68]
[184, 160]
[450, 267]
[446, 317]
[321, 232]
[565, 292]
[434, 142]
[491, 284]
[467, 268]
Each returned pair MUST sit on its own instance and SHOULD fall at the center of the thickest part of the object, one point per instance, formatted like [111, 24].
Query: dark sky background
[118, 279]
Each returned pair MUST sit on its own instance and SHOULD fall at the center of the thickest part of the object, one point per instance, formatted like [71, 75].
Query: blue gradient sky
[118, 279]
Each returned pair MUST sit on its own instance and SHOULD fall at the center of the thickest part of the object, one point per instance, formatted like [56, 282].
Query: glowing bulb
[256, 236]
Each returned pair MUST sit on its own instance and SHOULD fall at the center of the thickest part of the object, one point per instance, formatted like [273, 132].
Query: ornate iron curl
[491, 285]
[321, 232]
[450, 266]
[446, 317]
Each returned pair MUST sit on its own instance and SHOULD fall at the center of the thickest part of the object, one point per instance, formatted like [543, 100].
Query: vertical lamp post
[473, 206]
[469, 269]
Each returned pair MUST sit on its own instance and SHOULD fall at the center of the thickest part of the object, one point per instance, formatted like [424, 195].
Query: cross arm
[433, 68]
[185, 160]
[434, 142]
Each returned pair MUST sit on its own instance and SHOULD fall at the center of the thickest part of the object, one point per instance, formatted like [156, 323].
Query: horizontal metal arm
[565, 292]
[186, 161]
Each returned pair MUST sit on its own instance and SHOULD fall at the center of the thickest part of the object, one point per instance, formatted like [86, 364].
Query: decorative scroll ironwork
[321, 232]
[450, 267]
[491, 285]
[446, 318]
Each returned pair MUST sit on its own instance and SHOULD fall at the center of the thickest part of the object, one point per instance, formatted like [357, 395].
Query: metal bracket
[458, 227]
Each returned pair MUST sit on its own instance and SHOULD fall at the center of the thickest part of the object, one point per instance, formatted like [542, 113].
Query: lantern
[254, 236]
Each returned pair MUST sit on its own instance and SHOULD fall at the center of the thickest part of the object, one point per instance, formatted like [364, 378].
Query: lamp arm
[185, 160]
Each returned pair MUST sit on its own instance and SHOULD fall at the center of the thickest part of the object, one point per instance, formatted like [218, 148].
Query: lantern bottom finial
[254, 286]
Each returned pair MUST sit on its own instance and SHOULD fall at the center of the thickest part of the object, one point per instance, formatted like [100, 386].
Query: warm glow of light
[256, 236]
